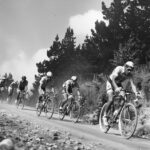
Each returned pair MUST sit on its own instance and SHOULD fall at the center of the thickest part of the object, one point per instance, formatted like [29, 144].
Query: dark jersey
[22, 85]
[69, 85]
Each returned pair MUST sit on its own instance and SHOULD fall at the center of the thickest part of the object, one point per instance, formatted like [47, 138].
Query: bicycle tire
[62, 113]
[103, 128]
[126, 115]
[39, 110]
[79, 113]
[19, 102]
[49, 109]
[22, 102]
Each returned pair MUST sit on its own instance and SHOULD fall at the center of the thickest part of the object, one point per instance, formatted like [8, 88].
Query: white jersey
[119, 75]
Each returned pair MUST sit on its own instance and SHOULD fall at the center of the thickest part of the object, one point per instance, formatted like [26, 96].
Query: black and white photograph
[74, 74]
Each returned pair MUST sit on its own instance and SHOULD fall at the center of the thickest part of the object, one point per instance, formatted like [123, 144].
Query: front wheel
[77, 112]
[20, 103]
[128, 120]
[39, 108]
[62, 112]
[49, 109]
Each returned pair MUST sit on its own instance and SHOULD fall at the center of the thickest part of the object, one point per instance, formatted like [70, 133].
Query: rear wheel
[102, 126]
[128, 120]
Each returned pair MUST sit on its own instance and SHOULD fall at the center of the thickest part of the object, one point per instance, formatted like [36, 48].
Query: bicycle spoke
[128, 120]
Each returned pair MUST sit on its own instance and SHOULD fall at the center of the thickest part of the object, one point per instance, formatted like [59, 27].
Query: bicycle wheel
[49, 109]
[17, 103]
[20, 103]
[39, 110]
[102, 126]
[62, 112]
[128, 120]
[77, 112]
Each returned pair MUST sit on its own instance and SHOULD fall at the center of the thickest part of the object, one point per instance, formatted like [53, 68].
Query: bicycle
[71, 108]
[21, 100]
[121, 113]
[47, 105]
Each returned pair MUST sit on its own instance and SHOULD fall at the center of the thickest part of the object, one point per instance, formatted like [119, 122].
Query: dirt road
[86, 133]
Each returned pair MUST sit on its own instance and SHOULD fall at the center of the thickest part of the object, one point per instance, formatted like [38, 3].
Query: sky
[29, 27]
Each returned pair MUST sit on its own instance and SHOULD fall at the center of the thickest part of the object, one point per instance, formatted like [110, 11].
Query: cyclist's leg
[18, 95]
[10, 93]
[41, 95]
[110, 100]
[70, 98]
[65, 99]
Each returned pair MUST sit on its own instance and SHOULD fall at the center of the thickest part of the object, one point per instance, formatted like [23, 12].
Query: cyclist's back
[69, 85]
[68, 89]
[11, 88]
[23, 86]
[45, 86]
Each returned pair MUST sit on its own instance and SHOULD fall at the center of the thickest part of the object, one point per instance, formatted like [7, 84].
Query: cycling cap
[129, 64]
[23, 77]
[74, 78]
[49, 74]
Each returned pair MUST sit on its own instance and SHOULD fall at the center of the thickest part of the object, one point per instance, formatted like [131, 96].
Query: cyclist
[2, 86]
[114, 83]
[2, 82]
[45, 84]
[23, 86]
[68, 90]
[11, 89]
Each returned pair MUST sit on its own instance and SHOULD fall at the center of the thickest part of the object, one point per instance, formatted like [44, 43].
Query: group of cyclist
[113, 85]
[21, 86]
[67, 92]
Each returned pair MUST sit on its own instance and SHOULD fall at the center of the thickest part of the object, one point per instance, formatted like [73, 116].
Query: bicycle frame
[69, 105]
[123, 99]
[45, 101]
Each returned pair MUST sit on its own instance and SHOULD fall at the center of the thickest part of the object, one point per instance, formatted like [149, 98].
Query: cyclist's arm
[78, 90]
[26, 87]
[133, 87]
[67, 89]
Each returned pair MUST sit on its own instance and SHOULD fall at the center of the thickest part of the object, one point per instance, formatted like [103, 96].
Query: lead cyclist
[114, 84]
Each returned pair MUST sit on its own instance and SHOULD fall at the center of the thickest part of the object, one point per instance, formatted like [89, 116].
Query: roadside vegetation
[108, 46]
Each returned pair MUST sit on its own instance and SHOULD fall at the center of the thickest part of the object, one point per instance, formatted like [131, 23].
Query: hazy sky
[28, 28]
